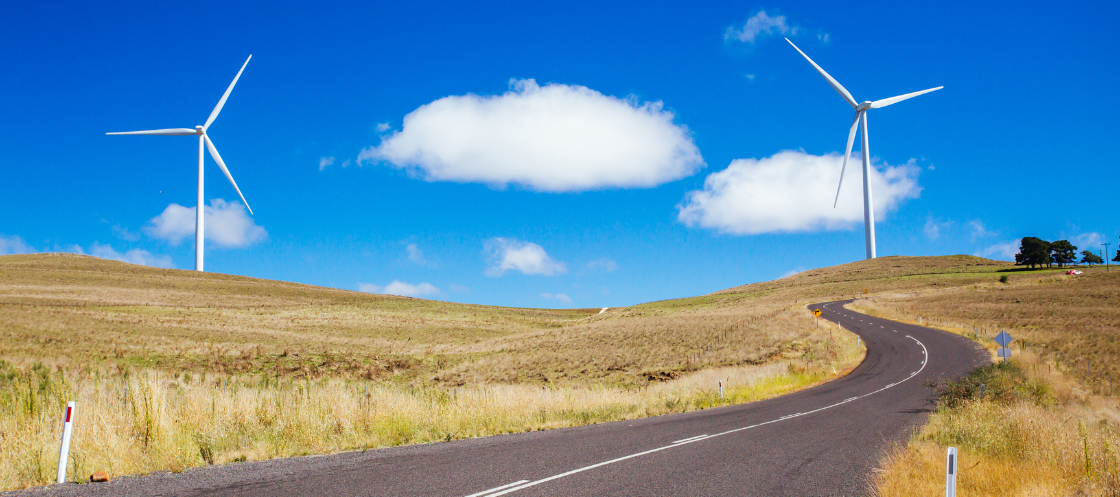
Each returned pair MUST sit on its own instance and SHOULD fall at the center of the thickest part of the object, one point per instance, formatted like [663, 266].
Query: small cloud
[934, 227]
[760, 25]
[1004, 251]
[134, 256]
[227, 224]
[750, 77]
[1088, 241]
[528, 258]
[382, 127]
[977, 229]
[346, 163]
[564, 298]
[459, 288]
[401, 288]
[931, 168]
[824, 38]
[415, 254]
[324, 162]
[14, 245]
[602, 265]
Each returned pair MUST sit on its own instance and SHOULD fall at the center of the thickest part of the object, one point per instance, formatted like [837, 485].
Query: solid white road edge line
[495, 489]
[728, 432]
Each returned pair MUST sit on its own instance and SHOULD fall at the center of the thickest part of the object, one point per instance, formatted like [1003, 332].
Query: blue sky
[574, 155]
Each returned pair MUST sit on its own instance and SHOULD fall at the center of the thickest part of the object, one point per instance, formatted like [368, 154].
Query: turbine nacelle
[864, 106]
[200, 130]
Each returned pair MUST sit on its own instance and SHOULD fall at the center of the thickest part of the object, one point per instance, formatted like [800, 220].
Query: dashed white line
[519, 486]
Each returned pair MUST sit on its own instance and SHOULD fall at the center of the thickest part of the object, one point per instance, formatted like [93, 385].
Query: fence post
[64, 450]
[951, 472]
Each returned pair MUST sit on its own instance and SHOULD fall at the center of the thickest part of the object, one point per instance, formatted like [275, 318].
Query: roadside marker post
[951, 472]
[721, 389]
[64, 451]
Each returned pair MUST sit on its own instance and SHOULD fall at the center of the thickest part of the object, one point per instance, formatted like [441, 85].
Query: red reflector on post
[68, 409]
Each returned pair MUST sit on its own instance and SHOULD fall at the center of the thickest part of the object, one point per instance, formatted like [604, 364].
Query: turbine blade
[222, 102]
[847, 153]
[222, 165]
[168, 132]
[894, 100]
[835, 84]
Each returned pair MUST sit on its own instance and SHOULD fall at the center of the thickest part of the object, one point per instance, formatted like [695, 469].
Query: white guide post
[868, 207]
[64, 451]
[199, 228]
[951, 472]
[721, 389]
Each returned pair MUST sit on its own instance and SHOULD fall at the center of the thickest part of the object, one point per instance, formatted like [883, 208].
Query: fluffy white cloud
[564, 298]
[793, 191]
[528, 258]
[1004, 251]
[228, 225]
[758, 26]
[134, 256]
[934, 227]
[401, 288]
[14, 245]
[553, 138]
[324, 162]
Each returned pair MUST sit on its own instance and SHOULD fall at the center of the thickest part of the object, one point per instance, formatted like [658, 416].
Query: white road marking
[692, 439]
[697, 439]
[495, 489]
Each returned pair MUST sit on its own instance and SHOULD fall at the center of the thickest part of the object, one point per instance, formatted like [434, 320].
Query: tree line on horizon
[1035, 251]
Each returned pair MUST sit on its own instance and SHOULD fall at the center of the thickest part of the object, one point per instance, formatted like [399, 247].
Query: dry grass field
[174, 369]
[1049, 423]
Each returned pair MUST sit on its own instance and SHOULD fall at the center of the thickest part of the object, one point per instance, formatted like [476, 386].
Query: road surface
[821, 441]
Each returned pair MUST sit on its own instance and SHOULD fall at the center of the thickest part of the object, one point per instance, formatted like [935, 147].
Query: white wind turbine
[202, 139]
[860, 121]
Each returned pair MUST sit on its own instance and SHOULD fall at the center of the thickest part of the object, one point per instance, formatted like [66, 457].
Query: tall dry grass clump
[1020, 430]
[130, 422]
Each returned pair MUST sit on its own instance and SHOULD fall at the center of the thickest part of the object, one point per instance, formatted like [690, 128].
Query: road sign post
[64, 450]
[1003, 339]
[951, 472]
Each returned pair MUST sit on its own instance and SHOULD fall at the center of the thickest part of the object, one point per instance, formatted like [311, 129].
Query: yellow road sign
[865, 291]
[817, 312]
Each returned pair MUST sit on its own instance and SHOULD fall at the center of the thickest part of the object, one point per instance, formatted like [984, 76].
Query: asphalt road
[822, 441]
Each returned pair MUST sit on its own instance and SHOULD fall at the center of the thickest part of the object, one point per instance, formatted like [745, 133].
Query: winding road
[825, 440]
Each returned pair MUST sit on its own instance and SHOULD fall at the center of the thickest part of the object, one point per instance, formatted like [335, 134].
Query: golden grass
[150, 421]
[169, 366]
[1034, 433]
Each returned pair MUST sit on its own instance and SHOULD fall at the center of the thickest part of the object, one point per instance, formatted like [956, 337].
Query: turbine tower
[860, 121]
[203, 139]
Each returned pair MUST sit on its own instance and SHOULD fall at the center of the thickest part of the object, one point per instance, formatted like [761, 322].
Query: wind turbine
[203, 139]
[859, 121]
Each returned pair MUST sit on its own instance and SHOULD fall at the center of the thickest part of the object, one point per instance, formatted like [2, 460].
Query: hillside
[76, 310]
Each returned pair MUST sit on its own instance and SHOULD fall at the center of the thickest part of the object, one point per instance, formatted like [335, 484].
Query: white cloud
[324, 162]
[978, 229]
[759, 26]
[793, 191]
[1088, 241]
[559, 296]
[382, 127]
[1004, 251]
[602, 265]
[934, 227]
[792, 272]
[401, 288]
[554, 138]
[227, 225]
[346, 163]
[526, 257]
[134, 256]
[14, 245]
[459, 288]
[415, 254]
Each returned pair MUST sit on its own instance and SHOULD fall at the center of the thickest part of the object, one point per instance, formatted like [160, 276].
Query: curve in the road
[820, 441]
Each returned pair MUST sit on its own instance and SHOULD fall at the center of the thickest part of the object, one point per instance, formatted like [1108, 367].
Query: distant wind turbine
[860, 120]
[202, 139]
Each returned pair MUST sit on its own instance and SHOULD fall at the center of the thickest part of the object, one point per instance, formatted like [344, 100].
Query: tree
[1117, 258]
[1062, 252]
[1090, 258]
[1033, 252]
